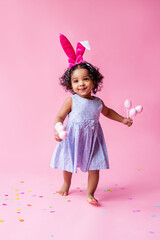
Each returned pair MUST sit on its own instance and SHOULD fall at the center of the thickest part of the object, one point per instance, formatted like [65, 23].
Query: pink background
[124, 37]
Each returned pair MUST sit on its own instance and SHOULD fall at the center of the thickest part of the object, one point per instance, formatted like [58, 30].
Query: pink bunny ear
[80, 49]
[67, 47]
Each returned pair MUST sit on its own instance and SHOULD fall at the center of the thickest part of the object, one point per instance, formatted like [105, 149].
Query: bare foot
[91, 199]
[64, 189]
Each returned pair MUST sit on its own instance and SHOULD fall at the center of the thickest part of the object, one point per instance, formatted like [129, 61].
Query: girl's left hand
[127, 121]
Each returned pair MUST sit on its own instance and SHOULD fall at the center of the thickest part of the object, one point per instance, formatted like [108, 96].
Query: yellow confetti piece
[1, 220]
[109, 190]
[16, 189]
[17, 198]
[17, 194]
[18, 209]
[29, 190]
[139, 169]
[19, 218]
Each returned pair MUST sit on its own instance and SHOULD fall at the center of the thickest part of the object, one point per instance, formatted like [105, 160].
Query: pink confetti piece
[151, 232]
[52, 211]
[136, 210]
[4, 204]
[22, 192]
[130, 198]
[34, 195]
[18, 212]
[40, 196]
[6, 195]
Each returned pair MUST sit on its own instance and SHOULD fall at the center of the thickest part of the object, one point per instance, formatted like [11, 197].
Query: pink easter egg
[57, 125]
[139, 108]
[127, 103]
[132, 112]
[63, 134]
[60, 128]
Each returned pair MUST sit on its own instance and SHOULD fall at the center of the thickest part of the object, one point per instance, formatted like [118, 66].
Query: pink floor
[30, 208]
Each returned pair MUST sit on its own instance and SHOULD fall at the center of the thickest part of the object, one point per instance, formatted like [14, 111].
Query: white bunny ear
[86, 45]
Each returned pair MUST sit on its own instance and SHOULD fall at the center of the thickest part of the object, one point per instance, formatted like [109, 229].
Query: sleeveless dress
[85, 145]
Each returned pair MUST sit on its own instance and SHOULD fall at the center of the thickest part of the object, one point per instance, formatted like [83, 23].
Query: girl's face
[81, 82]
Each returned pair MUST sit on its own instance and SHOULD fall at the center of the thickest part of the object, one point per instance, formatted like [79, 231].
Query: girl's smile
[82, 83]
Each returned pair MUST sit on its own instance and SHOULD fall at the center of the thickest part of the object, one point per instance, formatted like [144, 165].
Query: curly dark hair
[94, 74]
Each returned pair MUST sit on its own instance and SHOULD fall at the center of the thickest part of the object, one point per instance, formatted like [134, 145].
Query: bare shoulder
[68, 104]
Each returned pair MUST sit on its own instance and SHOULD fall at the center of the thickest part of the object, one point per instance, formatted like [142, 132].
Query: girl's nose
[81, 83]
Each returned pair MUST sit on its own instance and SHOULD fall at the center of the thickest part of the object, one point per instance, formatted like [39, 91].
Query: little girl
[85, 145]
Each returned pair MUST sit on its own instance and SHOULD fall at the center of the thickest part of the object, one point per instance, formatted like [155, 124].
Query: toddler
[85, 145]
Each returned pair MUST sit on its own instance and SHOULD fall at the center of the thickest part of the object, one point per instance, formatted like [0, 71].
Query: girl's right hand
[56, 136]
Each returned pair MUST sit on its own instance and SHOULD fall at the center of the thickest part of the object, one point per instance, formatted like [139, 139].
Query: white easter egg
[139, 108]
[128, 103]
[57, 124]
[63, 134]
[132, 112]
[60, 128]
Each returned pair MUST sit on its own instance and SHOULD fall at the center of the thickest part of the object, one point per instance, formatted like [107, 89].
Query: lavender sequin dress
[85, 145]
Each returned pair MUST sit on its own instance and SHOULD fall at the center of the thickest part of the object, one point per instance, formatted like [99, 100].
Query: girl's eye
[86, 78]
[75, 81]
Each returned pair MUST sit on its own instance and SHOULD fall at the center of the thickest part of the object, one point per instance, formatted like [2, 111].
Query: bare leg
[67, 182]
[93, 179]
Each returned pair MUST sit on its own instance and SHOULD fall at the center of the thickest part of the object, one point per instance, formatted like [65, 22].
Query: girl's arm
[64, 111]
[110, 113]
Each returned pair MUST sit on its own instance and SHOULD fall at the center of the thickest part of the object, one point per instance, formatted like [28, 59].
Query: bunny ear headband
[74, 57]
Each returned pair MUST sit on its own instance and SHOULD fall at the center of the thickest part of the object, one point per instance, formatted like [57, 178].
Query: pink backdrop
[124, 37]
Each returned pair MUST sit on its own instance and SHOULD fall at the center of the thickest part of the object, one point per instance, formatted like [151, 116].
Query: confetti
[29, 190]
[41, 196]
[104, 212]
[21, 220]
[1, 220]
[51, 235]
[153, 215]
[29, 205]
[130, 198]
[151, 232]
[21, 181]
[139, 169]
[107, 190]
[22, 192]
[68, 200]
[17, 194]
[77, 188]
[18, 209]
[4, 204]
[16, 198]
[6, 195]
[52, 211]
[136, 210]
[157, 206]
